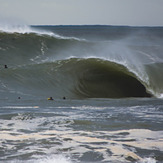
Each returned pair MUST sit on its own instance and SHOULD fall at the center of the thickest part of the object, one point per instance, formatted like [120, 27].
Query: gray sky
[75, 12]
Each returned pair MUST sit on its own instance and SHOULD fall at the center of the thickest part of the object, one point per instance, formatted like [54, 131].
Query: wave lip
[25, 29]
[14, 28]
[105, 79]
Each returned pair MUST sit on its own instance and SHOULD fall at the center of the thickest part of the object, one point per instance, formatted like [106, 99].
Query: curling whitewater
[111, 78]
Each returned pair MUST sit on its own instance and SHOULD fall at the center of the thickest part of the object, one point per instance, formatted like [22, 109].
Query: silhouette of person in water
[5, 66]
[64, 97]
[50, 98]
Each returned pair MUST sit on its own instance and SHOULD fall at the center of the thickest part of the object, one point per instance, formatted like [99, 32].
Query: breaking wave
[43, 63]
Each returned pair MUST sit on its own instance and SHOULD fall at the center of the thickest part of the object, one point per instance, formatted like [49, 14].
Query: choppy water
[111, 78]
[92, 130]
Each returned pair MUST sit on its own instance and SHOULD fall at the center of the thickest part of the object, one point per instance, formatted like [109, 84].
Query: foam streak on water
[72, 132]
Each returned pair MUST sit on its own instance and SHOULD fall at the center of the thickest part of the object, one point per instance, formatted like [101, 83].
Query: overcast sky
[75, 12]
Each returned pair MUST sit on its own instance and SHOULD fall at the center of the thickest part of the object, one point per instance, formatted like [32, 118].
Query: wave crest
[76, 78]
[42, 61]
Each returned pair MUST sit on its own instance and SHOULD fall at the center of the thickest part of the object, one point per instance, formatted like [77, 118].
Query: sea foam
[47, 159]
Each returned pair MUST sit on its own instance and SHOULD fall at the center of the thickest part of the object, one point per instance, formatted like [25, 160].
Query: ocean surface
[107, 88]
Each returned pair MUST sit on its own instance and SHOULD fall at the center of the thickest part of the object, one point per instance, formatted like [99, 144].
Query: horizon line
[96, 25]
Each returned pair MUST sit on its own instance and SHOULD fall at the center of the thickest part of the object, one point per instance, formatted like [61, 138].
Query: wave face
[71, 61]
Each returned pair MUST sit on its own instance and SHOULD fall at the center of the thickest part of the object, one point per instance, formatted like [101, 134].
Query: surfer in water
[5, 66]
[50, 98]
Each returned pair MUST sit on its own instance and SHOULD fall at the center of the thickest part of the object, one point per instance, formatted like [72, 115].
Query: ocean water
[106, 82]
